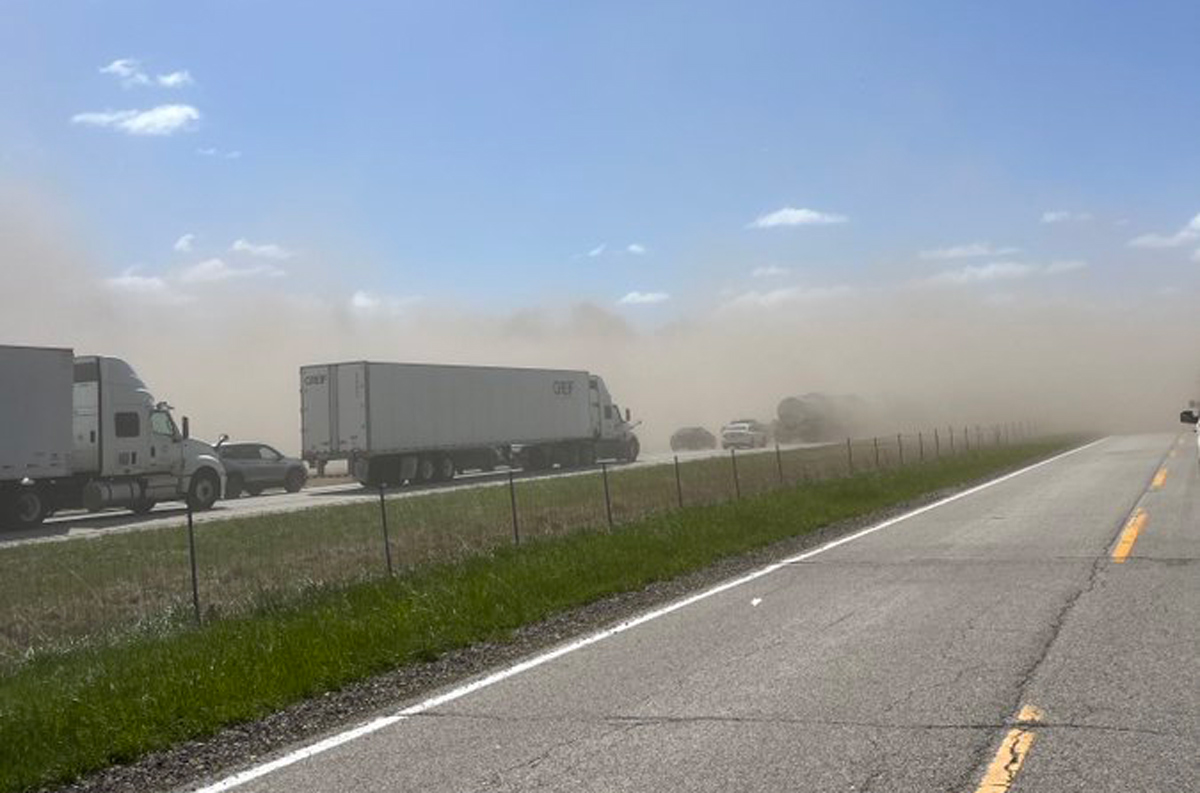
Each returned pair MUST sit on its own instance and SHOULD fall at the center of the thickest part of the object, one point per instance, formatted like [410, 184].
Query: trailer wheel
[141, 506]
[205, 490]
[426, 470]
[445, 469]
[27, 508]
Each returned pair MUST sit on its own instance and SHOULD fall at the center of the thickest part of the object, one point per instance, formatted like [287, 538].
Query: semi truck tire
[426, 470]
[24, 508]
[142, 506]
[445, 468]
[205, 489]
[632, 449]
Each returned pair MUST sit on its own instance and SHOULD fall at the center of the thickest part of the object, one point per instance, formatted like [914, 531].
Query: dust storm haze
[226, 354]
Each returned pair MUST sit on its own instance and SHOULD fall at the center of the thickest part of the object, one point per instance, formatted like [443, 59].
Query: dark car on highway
[254, 467]
[692, 439]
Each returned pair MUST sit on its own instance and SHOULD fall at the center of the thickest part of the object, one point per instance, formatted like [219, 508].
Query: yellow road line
[1129, 536]
[1159, 478]
[1002, 771]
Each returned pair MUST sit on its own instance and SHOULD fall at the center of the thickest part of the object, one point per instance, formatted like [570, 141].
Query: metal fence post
[920, 446]
[850, 455]
[876, 442]
[737, 485]
[937, 444]
[192, 557]
[678, 483]
[951, 440]
[900, 448]
[779, 462]
[512, 499]
[387, 544]
[967, 438]
[607, 498]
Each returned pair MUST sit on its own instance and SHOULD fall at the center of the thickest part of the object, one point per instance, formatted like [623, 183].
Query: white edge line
[457, 693]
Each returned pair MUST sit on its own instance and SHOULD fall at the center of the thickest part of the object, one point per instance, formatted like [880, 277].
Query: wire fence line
[57, 595]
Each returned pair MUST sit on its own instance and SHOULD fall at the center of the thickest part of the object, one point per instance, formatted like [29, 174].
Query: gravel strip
[234, 748]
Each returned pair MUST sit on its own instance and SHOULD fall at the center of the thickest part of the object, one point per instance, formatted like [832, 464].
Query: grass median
[66, 713]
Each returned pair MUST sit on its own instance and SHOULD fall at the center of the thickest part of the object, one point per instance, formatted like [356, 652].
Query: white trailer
[406, 422]
[85, 432]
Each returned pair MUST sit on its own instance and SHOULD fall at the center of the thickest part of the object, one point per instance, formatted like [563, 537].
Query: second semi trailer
[406, 422]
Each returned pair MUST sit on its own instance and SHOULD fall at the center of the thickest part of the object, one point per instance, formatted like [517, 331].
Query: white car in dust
[744, 434]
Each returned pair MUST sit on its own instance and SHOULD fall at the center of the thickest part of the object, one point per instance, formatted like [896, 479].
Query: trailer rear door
[318, 411]
[352, 408]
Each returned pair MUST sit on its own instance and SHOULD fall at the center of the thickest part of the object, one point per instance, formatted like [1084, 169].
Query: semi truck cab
[128, 447]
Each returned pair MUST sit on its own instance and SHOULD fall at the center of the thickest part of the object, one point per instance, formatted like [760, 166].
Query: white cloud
[161, 120]
[770, 271]
[266, 250]
[792, 295]
[1065, 216]
[979, 273]
[968, 251]
[1187, 234]
[214, 270]
[130, 281]
[643, 298]
[210, 151]
[637, 249]
[594, 252]
[370, 303]
[127, 70]
[790, 216]
[1003, 271]
[177, 79]
[1065, 266]
[150, 287]
[184, 243]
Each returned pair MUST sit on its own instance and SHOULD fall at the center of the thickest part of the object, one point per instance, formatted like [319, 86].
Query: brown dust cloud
[227, 356]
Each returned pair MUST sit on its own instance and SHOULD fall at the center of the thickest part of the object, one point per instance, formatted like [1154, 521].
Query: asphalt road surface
[76, 525]
[1015, 637]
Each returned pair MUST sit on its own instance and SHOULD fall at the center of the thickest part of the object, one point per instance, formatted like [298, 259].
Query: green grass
[107, 588]
[68, 712]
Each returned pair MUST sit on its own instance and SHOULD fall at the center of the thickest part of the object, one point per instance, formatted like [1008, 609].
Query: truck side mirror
[187, 432]
[1189, 417]
[628, 415]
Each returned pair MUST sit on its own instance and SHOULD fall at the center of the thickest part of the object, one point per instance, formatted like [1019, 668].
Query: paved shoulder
[897, 661]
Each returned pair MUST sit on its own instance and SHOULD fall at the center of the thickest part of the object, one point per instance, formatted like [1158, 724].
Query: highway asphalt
[77, 525]
[1013, 638]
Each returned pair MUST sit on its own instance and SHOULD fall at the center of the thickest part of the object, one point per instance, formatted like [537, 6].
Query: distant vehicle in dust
[744, 434]
[252, 468]
[692, 439]
[1192, 416]
[818, 418]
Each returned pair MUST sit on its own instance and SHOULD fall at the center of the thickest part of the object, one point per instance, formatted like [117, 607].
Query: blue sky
[477, 153]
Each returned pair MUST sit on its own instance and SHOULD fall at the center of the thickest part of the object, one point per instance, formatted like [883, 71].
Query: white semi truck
[85, 432]
[406, 422]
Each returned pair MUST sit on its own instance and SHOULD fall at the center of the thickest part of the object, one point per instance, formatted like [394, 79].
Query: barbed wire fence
[63, 593]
